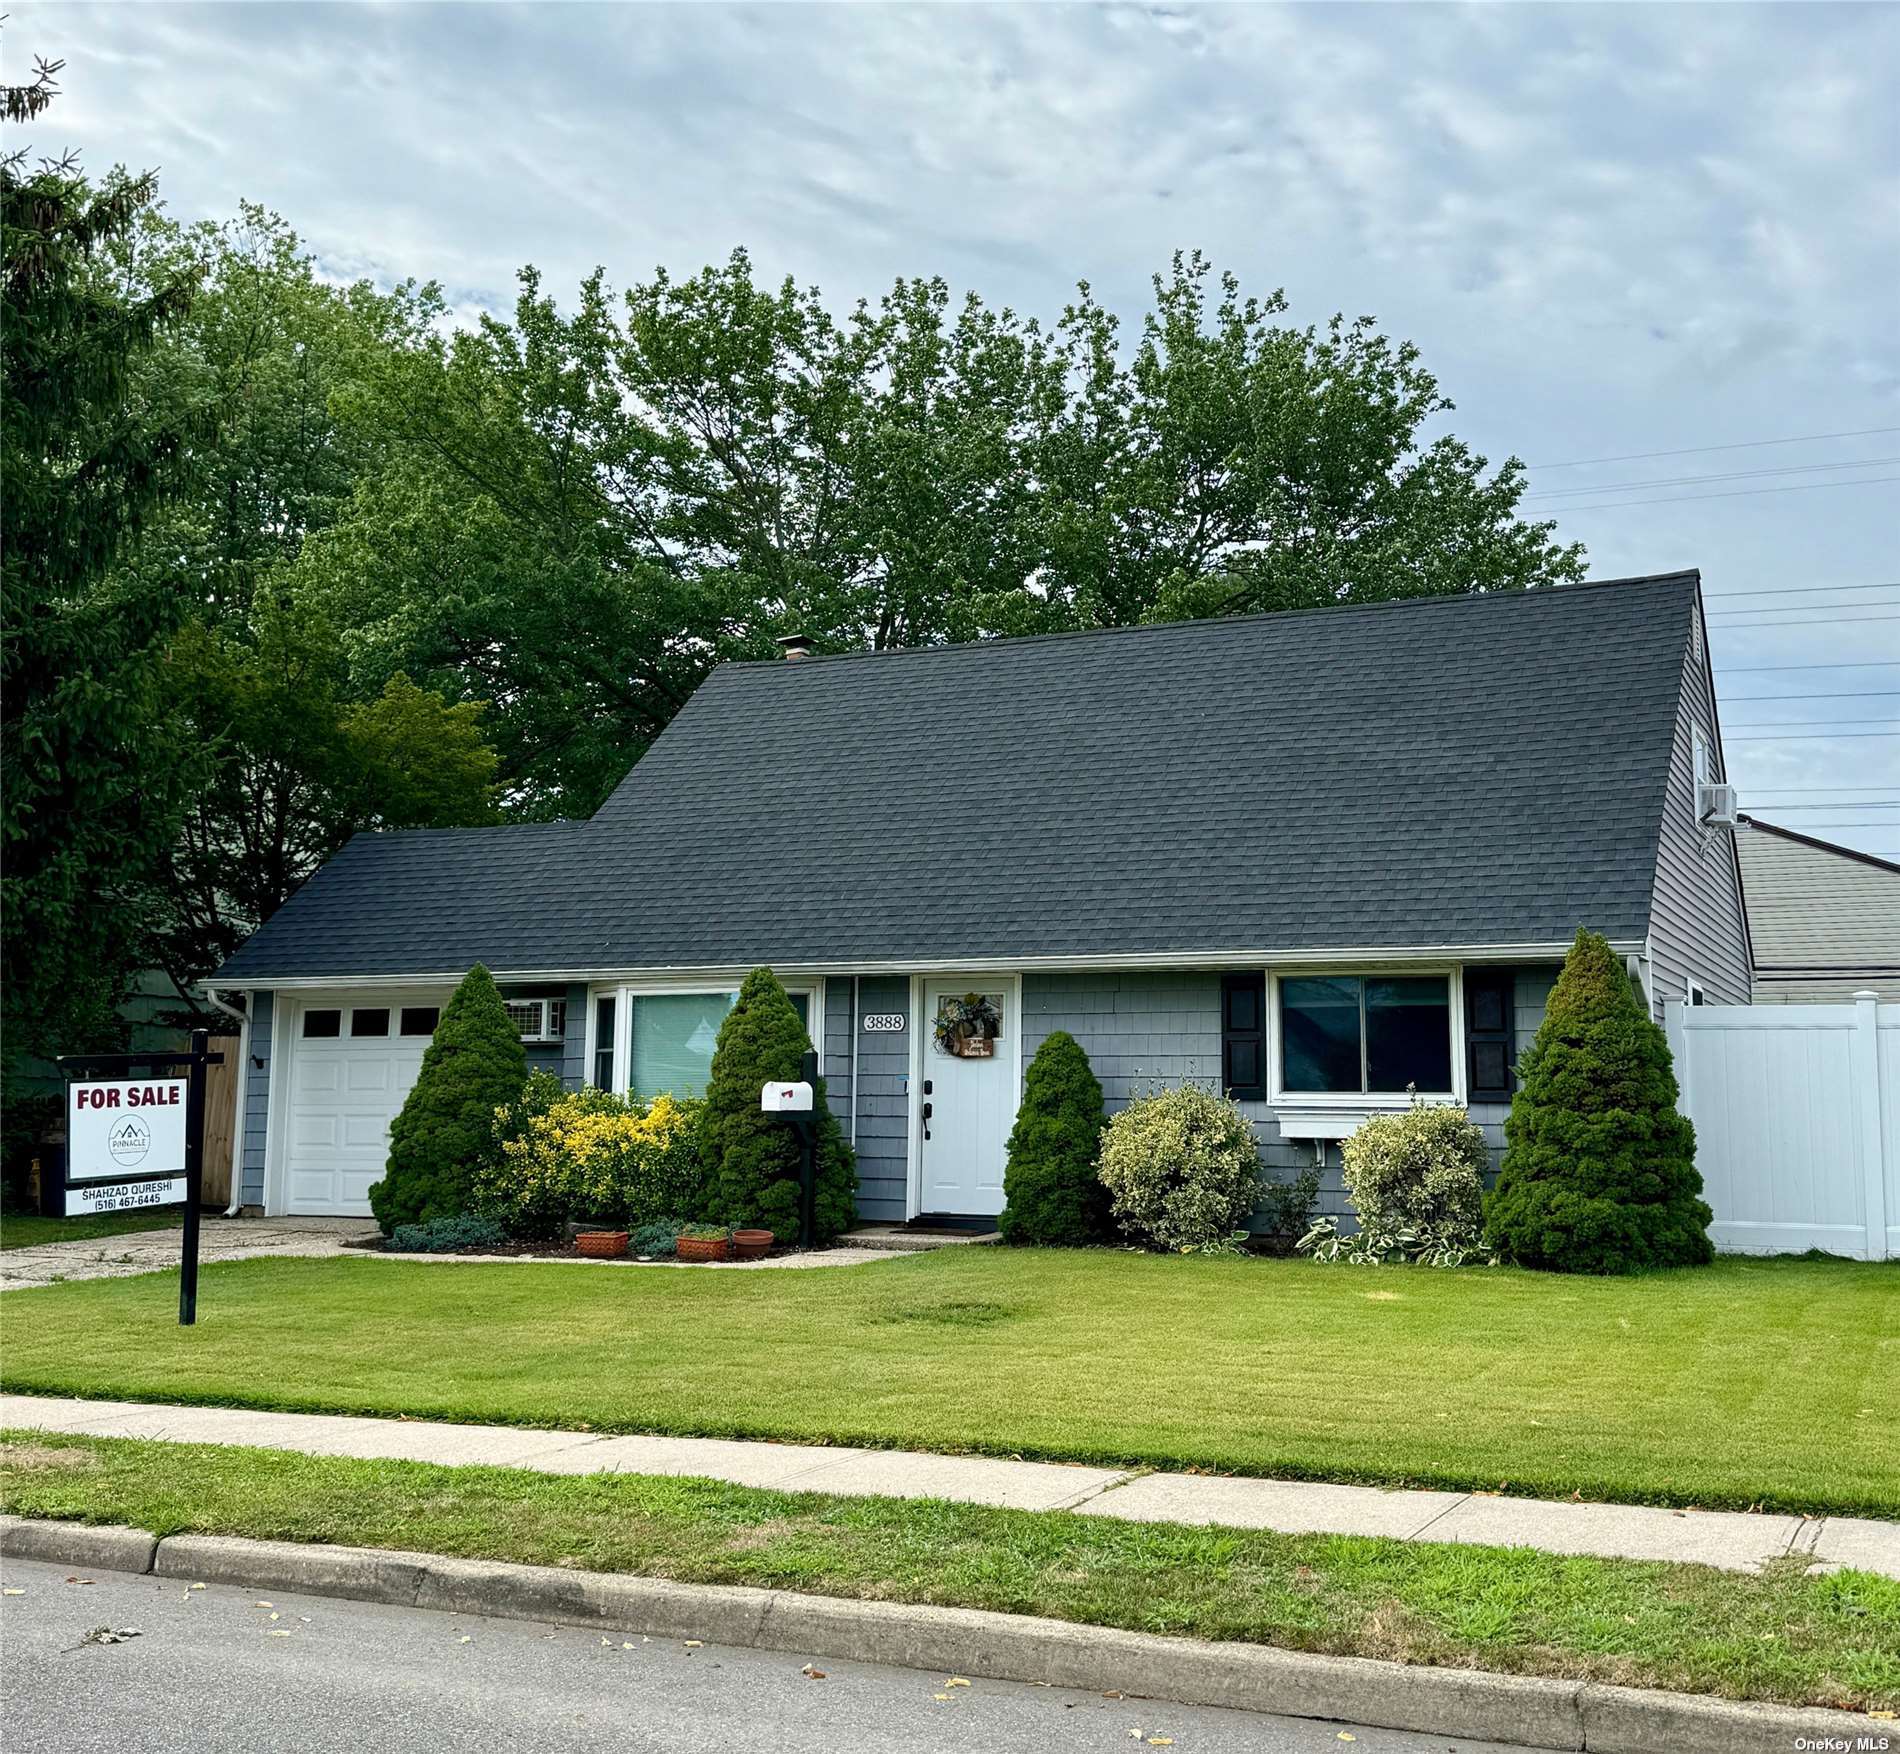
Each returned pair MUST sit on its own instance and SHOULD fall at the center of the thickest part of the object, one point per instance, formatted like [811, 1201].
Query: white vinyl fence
[1797, 1120]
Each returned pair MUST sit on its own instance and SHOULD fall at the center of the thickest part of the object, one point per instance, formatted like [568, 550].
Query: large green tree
[296, 765]
[96, 766]
[584, 508]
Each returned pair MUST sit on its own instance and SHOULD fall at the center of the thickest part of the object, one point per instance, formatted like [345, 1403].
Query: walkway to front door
[966, 1103]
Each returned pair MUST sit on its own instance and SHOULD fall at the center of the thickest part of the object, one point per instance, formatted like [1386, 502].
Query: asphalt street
[215, 1669]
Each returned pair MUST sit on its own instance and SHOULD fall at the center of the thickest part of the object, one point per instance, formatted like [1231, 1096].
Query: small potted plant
[704, 1242]
[602, 1245]
[752, 1245]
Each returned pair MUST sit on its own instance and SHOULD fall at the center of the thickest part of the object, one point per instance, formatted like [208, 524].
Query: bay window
[1349, 1034]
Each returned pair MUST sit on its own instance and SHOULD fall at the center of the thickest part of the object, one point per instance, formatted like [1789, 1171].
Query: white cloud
[1611, 229]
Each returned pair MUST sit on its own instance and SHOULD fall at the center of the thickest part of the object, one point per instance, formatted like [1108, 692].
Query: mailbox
[785, 1099]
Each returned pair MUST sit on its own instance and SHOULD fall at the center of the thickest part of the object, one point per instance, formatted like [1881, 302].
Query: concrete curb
[1466, 1703]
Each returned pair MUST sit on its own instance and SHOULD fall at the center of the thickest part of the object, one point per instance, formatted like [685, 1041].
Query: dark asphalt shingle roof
[1450, 771]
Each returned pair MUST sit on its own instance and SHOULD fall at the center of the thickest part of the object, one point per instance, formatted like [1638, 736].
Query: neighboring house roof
[1452, 771]
[1824, 919]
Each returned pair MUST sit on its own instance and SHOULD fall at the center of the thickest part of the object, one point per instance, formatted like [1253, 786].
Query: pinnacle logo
[129, 1141]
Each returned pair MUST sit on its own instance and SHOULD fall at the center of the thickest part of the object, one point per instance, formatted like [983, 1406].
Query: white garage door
[351, 1065]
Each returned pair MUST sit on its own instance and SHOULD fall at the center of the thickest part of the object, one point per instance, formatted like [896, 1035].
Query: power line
[1733, 493]
[1859, 804]
[1813, 611]
[1801, 590]
[1812, 438]
[1815, 737]
[1843, 694]
[1849, 804]
[1727, 626]
[1763, 669]
[1804, 724]
[1729, 475]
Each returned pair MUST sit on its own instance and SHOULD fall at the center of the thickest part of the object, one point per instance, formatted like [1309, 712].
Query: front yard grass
[1781, 1636]
[1768, 1382]
[26, 1230]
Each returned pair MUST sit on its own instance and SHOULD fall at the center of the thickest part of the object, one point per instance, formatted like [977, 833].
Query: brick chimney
[795, 645]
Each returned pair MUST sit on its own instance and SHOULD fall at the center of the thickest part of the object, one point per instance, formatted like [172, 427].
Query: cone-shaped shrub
[1054, 1195]
[1599, 1169]
[474, 1064]
[751, 1159]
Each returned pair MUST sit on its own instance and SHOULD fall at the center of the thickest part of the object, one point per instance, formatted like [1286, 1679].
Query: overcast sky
[1611, 230]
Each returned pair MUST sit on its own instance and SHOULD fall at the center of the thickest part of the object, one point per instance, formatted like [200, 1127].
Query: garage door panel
[312, 1132]
[343, 1095]
[366, 1132]
[316, 1075]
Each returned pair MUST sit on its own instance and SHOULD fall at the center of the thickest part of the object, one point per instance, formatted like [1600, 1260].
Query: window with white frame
[1704, 767]
[661, 1043]
[538, 1019]
[1371, 1034]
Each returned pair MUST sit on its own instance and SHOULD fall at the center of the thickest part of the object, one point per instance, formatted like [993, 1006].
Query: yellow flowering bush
[587, 1155]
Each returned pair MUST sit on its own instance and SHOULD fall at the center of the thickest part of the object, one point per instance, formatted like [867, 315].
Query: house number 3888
[883, 1022]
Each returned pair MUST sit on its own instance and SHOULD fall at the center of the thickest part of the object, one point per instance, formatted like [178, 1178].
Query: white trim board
[1547, 950]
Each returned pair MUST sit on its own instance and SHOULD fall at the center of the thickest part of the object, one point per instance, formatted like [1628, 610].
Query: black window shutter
[1490, 1033]
[1243, 1036]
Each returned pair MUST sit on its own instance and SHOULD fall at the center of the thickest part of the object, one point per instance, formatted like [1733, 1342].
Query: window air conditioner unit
[1716, 804]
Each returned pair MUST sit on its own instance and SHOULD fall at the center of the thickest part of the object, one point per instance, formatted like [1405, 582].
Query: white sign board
[125, 1196]
[786, 1099]
[884, 1023]
[125, 1127]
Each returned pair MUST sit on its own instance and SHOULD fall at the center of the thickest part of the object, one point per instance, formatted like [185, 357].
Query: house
[1314, 857]
[1824, 920]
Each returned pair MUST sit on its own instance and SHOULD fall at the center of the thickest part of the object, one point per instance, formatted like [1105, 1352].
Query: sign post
[135, 1130]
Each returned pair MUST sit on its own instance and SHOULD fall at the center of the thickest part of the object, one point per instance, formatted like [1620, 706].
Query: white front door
[967, 1106]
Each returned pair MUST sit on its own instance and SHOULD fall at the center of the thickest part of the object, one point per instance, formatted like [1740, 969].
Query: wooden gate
[220, 1131]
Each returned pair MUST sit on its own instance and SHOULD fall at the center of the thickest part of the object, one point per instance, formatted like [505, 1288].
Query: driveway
[151, 1251]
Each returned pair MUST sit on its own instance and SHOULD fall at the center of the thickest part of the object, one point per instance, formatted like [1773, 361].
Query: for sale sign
[122, 1128]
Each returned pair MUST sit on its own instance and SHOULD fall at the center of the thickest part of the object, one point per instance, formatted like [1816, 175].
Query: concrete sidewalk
[1731, 1540]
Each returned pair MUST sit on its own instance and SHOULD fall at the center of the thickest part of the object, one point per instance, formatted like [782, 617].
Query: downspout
[237, 1099]
[854, 1065]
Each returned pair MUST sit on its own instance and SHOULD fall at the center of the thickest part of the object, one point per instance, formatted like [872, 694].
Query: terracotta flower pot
[703, 1248]
[604, 1244]
[752, 1245]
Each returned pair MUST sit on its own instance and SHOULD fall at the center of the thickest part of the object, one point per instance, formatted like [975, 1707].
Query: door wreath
[968, 1027]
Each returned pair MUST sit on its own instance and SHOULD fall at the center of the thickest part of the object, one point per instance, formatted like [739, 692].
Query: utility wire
[1844, 694]
[1807, 724]
[1730, 475]
[1763, 669]
[1815, 737]
[1812, 438]
[1724, 625]
[1801, 590]
[1732, 493]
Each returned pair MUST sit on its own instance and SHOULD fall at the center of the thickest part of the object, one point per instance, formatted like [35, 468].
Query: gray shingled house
[1311, 857]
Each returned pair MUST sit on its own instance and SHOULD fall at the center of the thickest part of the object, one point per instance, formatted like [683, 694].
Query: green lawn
[1770, 1382]
[25, 1230]
[1782, 1636]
